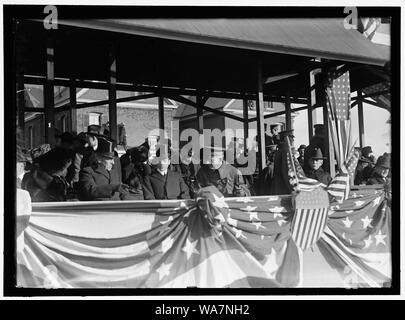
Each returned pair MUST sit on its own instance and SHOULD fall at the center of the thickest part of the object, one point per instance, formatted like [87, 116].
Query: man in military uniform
[313, 167]
[219, 173]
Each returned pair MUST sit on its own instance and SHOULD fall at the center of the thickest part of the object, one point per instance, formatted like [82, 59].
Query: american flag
[339, 187]
[213, 242]
[357, 239]
[310, 217]
[338, 103]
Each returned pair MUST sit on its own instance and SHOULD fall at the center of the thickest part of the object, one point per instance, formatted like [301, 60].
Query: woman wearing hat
[381, 172]
[97, 182]
[46, 181]
[313, 166]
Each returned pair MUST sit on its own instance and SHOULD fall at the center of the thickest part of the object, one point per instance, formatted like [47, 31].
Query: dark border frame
[36, 11]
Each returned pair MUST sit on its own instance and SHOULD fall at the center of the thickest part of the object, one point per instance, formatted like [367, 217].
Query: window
[268, 106]
[95, 118]
[31, 137]
[63, 123]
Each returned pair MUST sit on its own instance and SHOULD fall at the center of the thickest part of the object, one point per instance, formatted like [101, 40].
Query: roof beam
[29, 79]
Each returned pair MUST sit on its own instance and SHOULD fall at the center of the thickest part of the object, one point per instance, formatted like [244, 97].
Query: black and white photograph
[183, 150]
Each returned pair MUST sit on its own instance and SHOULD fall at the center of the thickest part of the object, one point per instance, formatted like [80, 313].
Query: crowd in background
[87, 167]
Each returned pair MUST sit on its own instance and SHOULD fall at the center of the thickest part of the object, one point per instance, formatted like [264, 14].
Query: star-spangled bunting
[124, 247]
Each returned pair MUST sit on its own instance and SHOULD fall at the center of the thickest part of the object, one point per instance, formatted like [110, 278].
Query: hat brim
[107, 155]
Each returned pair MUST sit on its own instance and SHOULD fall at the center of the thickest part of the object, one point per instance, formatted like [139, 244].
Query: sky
[376, 129]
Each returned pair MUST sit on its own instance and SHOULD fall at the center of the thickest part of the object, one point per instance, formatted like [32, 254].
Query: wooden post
[161, 112]
[321, 99]
[49, 102]
[200, 119]
[21, 102]
[260, 120]
[288, 111]
[311, 103]
[72, 106]
[361, 118]
[245, 123]
[112, 97]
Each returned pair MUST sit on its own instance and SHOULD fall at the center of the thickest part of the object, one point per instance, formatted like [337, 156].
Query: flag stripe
[311, 216]
[312, 237]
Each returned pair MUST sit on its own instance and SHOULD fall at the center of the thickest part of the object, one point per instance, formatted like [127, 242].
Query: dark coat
[134, 176]
[359, 177]
[43, 187]
[320, 175]
[96, 183]
[377, 179]
[170, 186]
[263, 186]
[227, 179]
[280, 183]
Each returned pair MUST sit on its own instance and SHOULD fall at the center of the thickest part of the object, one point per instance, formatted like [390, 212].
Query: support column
[72, 106]
[161, 112]
[112, 97]
[49, 102]
[200, 118]
[329, 164]
[311, 103]
[288, 112]
[260, 120]
[21, 102]
[361, 118]
[245, 123]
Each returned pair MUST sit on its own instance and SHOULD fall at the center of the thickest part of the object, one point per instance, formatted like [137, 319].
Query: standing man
[301, 151]
[222, 175]
[96, 182]
[162, 183]
[272, 137]
[280, 184]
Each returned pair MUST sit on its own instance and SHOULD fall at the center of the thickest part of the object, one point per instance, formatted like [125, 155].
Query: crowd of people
[87, 167]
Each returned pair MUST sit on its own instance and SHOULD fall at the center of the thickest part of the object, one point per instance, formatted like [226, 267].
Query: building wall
[138, 121]
[36, 126]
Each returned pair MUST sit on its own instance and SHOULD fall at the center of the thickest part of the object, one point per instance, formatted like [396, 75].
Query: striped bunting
[311, 212]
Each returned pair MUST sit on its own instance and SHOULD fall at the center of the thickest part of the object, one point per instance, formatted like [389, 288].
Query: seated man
[360, 173]
[381, 171]
[222, 175]
[163, 183]
[96, 182]
[313, 168]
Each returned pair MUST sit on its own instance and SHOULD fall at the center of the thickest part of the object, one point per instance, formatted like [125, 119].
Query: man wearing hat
[163, 183]
[361, 176]
[263, 184]
[217, 172]
[96, 182]
[301, 151]
[313, 167]
[381, 171]
[280, 183]
[271, 138]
